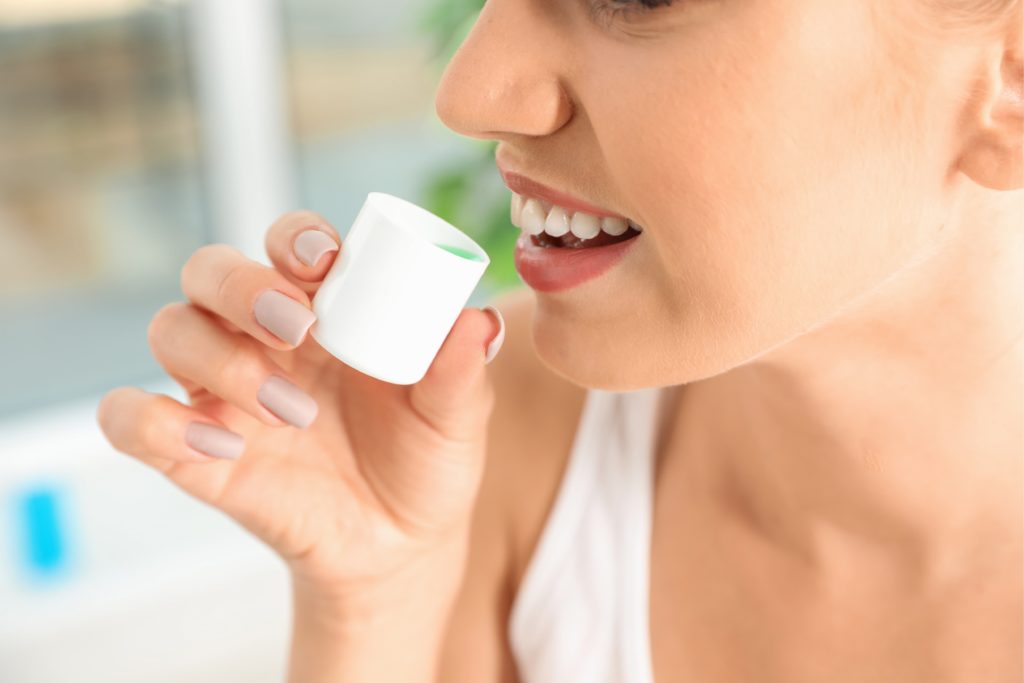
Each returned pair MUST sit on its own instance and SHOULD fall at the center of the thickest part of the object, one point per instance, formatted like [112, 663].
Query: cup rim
[397, 211]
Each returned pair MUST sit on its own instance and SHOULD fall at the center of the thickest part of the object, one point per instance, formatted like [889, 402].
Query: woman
[777, 437]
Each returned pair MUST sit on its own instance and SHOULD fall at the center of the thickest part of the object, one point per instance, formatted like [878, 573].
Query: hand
[368, 476]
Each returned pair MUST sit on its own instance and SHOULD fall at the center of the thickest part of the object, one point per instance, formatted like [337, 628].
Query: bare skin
[829, 276]
[856, 505]
[839, 485]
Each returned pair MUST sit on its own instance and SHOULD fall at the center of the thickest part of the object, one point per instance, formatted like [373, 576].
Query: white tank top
[581, 611]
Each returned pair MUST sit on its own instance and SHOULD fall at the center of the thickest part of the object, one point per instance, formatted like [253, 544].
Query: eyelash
[610, 10]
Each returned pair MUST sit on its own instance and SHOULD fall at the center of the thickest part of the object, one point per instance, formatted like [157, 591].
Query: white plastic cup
[393, 294]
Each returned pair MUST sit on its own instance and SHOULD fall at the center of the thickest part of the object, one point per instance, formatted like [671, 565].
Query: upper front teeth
[585, 225]
[535, 217]
[531, 217]
[557, 223]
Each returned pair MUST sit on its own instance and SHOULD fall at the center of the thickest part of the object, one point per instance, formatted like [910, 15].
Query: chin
[593, 359]
[588, 364]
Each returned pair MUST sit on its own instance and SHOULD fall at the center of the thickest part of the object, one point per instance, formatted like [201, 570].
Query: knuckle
[229, 280]
[211, 252]
[162, 322]
[233, 367]
[192, 264]
[114, 417]
[148, 428]
[287, 222]
[105, 411]
[450, 424]
[278, 228]
[285, 219]
[293, 218]
[199, 261]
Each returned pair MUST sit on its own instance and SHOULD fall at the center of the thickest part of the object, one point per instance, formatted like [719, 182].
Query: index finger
[302, 246]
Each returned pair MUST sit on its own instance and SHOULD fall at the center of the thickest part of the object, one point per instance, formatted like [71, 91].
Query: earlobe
[994, 154]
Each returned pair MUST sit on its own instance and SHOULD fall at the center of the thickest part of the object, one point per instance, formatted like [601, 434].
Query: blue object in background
[41, 529]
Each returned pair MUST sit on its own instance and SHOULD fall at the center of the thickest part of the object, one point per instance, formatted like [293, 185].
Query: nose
[504, 79]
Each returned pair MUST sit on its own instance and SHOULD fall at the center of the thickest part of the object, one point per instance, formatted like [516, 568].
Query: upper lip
[527, 187]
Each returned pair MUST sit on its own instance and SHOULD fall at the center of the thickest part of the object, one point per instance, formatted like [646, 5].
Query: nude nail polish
[283, 316]
[287, 401]
[495, 345]
[214, 441]
[311, 244]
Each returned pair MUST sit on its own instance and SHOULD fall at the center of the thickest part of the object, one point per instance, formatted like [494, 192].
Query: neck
[894, 430]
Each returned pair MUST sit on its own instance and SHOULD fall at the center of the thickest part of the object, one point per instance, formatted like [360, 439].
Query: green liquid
[459, 251]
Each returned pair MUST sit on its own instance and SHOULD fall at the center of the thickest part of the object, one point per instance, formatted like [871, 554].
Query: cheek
[776, 180]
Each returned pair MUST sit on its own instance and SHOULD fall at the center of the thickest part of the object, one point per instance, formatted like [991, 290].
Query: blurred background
[133, 132]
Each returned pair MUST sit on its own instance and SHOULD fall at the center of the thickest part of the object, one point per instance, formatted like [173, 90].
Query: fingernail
[287, 401]
[499, 339]
[311, 244]
[214, 441]
[283, 316]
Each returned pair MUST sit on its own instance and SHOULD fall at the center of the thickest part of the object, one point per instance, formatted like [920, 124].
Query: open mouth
[550, 225]
[571, 241]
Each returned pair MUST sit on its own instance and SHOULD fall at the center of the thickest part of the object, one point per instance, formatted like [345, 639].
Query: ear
[993, 156]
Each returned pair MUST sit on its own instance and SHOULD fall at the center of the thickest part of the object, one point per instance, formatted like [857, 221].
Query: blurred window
[134, 131]
[362, 78]
[101, 196]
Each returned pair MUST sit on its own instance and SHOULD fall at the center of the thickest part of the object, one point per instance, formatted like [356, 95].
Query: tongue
[571, 241]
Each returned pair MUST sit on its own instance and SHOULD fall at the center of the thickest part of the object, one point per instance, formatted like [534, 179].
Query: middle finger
[188, 343]
[256, 298]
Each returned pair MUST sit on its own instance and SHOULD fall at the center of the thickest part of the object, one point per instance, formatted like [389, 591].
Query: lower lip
[553, 269]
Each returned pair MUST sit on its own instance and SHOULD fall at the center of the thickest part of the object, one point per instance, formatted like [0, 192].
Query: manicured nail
[287, 401]
[499, 339]
[283, 316]
[214, 441]
[311, 244]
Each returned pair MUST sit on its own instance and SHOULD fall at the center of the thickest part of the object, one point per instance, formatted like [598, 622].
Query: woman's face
[782, 156]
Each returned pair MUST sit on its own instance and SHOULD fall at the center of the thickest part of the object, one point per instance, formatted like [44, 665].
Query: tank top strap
[581, 610]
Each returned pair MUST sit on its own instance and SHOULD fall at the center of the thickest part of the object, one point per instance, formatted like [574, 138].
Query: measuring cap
[401, 279]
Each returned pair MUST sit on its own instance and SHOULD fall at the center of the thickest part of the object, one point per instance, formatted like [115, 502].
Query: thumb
[455, 395]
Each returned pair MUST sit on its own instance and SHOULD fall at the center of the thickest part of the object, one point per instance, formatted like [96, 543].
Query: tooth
[517, 210]
[636, 226]
[613, 226]
[532, 217]
[557, 223]
[585, 225]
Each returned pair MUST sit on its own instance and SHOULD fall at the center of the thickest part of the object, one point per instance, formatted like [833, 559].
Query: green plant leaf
[464, 194]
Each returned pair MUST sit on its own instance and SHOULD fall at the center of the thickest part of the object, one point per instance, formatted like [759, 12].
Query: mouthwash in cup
[459, 251]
